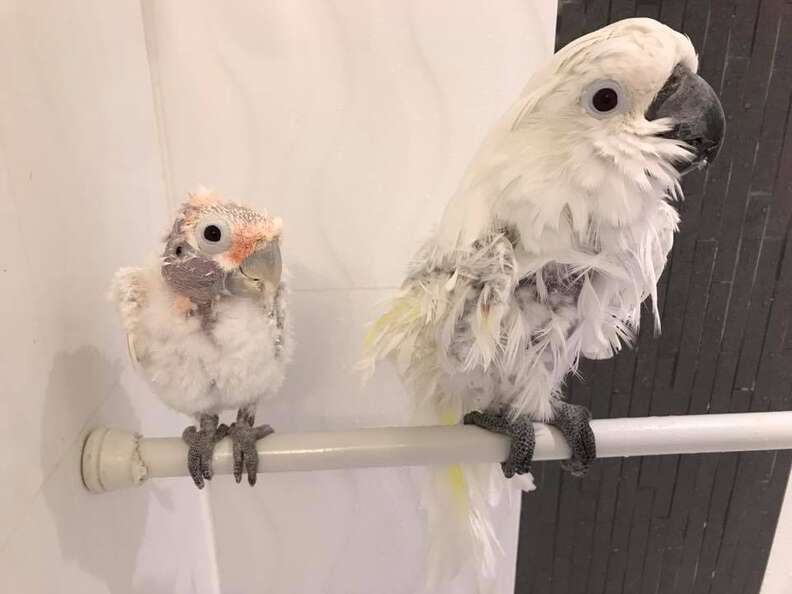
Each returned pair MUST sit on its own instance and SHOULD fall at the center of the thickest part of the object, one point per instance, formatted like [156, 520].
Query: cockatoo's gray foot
[244, 436]
[520, 430]
[201, 447]
[573, 422]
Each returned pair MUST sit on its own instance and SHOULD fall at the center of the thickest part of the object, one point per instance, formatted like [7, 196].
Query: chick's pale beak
[263, 264]
[698, 117]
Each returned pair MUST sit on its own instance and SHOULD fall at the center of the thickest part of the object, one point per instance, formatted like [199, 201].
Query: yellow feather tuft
[456, 479]
[404, 311]
[448, 417]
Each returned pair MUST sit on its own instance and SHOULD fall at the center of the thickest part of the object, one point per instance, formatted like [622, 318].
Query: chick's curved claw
[201, 444]
[244, 438]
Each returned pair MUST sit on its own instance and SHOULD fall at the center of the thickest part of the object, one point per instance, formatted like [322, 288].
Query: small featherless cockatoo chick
[207, 324]
[558, 232]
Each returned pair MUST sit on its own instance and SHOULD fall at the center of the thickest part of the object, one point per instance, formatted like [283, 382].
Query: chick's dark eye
[605, 100]
[212, 233]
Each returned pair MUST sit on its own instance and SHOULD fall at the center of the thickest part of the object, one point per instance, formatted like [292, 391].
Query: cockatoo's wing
[447, 318]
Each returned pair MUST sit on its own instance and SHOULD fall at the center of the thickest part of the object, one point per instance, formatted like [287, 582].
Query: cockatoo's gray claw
[201, 445]
[520, 430]
[244, 439]
[573, 422]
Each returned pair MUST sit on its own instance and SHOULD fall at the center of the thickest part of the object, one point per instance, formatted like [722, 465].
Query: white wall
[81, 192]
[778, 576]
[351, 120]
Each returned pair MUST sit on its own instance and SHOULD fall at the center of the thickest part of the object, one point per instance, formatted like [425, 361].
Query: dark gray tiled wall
[702, 523]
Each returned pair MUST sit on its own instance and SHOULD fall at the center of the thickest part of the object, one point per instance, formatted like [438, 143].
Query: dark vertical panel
[700, 524]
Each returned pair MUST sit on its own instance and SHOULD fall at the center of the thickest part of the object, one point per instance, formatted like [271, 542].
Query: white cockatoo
[207, 324]
[558, 232]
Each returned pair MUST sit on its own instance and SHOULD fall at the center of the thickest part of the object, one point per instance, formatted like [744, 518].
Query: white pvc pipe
[114, 459]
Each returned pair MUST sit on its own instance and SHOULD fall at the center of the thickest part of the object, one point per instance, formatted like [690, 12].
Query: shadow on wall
[101, 534]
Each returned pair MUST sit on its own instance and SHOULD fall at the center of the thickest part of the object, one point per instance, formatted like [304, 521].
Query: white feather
[557, 233]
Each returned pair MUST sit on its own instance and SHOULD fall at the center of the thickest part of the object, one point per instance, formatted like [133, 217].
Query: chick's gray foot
[573, 422]
[244, 437]
[201, 444]
[519, 429]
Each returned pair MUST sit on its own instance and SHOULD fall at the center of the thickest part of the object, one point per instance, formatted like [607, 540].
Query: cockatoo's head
[626, 100]
[599, 134]
[221, 248]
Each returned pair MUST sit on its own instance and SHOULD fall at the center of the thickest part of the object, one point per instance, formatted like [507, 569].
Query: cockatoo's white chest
[207, 362]
[531, 313]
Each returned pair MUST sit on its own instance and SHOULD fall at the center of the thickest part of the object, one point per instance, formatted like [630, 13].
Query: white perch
[113, 459]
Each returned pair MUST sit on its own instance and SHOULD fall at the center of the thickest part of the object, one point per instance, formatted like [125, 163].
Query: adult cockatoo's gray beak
[262, 268]
[696, 111]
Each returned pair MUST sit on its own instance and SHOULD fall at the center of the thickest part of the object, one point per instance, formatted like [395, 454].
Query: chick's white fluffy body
[239, 359]
[205, 335]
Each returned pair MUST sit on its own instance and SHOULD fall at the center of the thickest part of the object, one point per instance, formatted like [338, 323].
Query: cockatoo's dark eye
[604, 98]
[212, 233]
